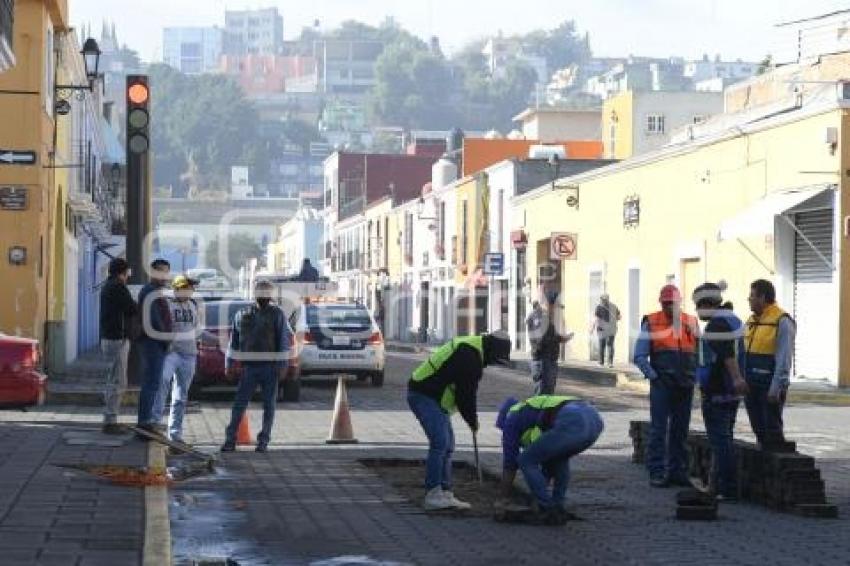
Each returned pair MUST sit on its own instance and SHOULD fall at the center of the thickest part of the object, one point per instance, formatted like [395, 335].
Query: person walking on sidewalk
[665, 352]
[154, 340]
[607, 316]
[117, 310]
[550, 429]
[259, 341]
[545, 348]
[720, 355]
[444, 383]
[769, 340]
[182, 357]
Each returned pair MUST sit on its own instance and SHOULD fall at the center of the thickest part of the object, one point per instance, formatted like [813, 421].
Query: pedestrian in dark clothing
[720, 355]
[156, 334]
[447, 382]
[665, 352]
[545, 348]
[259, 341]
[117, 309]
[769, 339]
[607, 316]
[308, 273]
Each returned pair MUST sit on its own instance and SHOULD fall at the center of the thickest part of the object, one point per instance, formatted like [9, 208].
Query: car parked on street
[21, 384]
[338, 338]
[210, 370]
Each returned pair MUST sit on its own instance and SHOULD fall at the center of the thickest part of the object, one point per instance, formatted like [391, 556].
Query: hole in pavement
[408, 478]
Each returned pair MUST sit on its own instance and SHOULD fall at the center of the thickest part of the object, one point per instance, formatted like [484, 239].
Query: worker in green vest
[539, 436]
[445, 383]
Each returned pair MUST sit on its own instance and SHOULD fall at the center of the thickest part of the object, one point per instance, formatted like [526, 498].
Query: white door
[816, 354]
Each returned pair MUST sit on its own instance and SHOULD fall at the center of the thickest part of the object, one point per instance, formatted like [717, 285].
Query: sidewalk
[54, 514]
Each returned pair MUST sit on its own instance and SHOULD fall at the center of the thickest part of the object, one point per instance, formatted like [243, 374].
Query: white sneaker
[455, 502]
[436, 499]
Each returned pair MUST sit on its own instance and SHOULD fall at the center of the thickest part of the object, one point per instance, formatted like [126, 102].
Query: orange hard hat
[670, 294]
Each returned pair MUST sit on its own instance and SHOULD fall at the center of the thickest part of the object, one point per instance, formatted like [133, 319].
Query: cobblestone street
[305, 501]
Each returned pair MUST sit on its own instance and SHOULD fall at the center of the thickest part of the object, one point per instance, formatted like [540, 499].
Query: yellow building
[765, 198]
[27, 116]
[472, 198]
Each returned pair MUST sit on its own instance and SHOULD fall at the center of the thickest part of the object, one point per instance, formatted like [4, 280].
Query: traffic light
[138, 148]
[138, 114]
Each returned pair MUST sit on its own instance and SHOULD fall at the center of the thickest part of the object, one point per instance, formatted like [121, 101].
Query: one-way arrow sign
[15, 157]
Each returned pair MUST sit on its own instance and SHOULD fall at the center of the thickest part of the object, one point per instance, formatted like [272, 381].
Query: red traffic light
[138, 93]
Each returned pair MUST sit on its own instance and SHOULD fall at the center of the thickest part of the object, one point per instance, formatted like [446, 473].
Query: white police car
[338, 338]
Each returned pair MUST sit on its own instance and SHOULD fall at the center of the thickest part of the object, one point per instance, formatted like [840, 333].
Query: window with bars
[655, 124]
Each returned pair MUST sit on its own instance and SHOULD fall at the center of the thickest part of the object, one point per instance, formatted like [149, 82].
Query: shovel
[477, 462]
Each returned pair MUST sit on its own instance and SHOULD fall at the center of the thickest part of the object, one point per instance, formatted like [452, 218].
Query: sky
[732, 28]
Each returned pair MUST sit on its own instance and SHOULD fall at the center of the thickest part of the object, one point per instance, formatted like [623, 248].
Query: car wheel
[378, 379]
[289, 390]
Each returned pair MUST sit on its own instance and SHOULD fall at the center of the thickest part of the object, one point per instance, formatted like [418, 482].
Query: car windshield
[338, 317]
[221, 313]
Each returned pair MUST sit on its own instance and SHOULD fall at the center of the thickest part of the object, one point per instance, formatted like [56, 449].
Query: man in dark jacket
[545, 348]
[447, 382]
[117, 309]
[155, 338]
[260, 341]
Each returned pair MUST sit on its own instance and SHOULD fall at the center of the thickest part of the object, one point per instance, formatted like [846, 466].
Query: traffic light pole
[138, 179]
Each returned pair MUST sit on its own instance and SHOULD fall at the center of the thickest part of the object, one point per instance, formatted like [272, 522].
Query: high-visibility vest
[439, 357]
[760, 341]
[673, 350]
[541, 403]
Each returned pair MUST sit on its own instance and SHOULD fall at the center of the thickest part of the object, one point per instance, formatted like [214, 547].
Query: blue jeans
[765, 417]
[719, 425]
[670, 418]
[576, 428]
[544, 373]
[151, 357]
[266, 375]
[441, 439]
[178, 369]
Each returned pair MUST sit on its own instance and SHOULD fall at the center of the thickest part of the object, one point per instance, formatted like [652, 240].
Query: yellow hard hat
[183, 282]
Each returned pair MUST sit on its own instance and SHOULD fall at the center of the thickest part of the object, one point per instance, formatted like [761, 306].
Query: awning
[758, 219]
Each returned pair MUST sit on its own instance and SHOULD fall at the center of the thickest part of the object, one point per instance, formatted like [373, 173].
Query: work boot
[436, 500]
[261, 448]
[228, 446]
[658, 481]
[455, 502]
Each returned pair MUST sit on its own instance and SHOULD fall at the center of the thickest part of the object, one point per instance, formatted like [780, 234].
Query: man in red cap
[666, 353]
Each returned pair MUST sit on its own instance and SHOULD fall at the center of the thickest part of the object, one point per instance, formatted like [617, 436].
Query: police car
[338, 337]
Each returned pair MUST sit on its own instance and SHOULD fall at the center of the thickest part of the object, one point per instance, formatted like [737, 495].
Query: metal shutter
[816, 353]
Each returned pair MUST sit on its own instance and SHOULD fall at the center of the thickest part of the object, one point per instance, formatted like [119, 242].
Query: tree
[241, 247]
[560, 46]
[205, 118]
[765, 65]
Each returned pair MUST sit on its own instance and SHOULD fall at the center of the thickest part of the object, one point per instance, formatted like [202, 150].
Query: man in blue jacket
[155, 338]
[260, 341]
[720, 357]
[539, 436]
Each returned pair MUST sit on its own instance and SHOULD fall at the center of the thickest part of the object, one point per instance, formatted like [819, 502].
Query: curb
[157, 541]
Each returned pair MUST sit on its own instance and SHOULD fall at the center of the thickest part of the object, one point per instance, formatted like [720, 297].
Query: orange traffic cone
[243, 433]
[341, 430]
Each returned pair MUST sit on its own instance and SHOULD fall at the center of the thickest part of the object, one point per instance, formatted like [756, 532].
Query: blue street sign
[494, 263]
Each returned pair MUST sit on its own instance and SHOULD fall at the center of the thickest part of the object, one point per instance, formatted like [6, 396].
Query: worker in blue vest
[539, 436]
[447, 382]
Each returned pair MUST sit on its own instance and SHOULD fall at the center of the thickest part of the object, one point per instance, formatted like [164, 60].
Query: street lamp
[91, 59]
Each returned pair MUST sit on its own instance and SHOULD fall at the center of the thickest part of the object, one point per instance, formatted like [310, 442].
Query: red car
[21, 384]
[210, 372]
